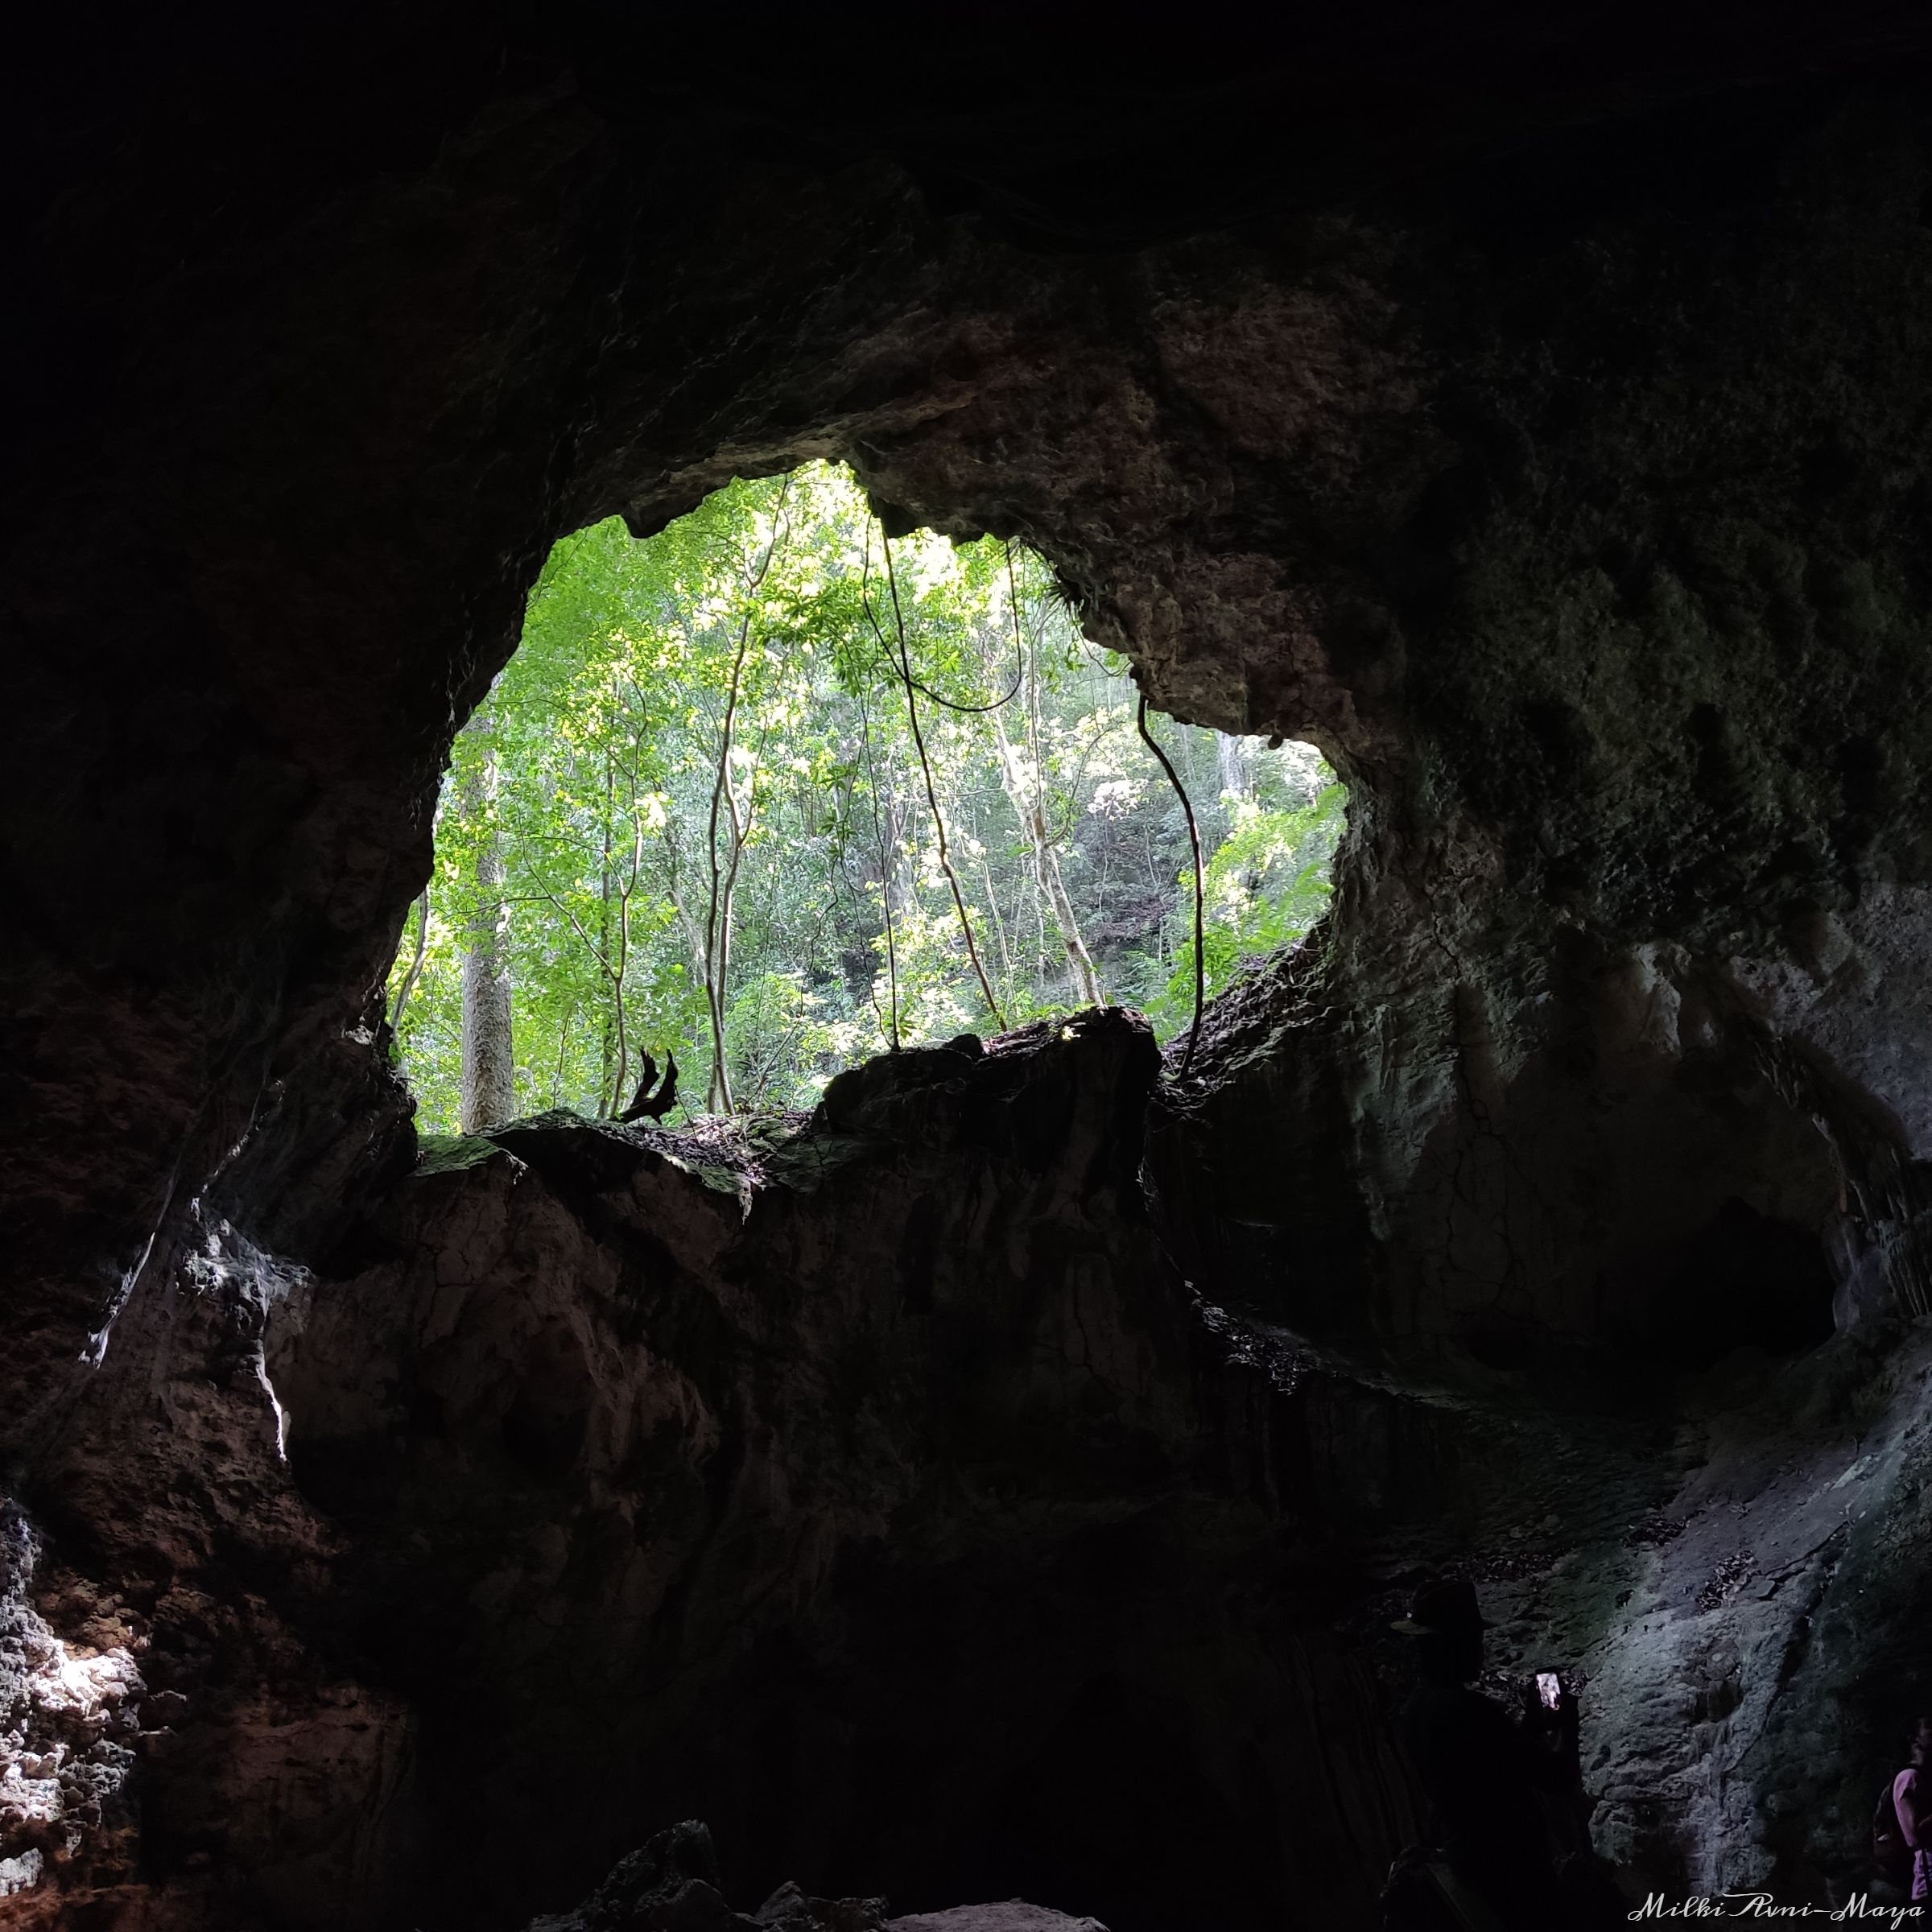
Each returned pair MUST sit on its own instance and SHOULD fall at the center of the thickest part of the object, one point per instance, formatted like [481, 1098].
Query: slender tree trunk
[717, 917]
[740, 836]
[1231, 757]
[489, 1094]
[626, 893]
[694, 936]
[1030, 801]
[886, 873]
[415, 966]
[606, 1028]
[1194, 840]
[1027, 792]
[999, 925]
[932, 796]
[724, 878]
[682, 903]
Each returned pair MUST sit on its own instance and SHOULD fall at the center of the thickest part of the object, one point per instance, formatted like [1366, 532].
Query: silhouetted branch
[1194, 839]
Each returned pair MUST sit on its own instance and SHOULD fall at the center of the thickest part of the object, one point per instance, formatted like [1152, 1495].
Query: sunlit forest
[766, 794]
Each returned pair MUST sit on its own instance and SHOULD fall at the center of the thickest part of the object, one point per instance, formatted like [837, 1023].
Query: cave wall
[1558, 470]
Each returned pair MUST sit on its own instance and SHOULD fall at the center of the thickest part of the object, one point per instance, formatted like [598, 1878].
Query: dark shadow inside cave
[1113, 1815]
[1744, 1280]
[1057, 1730]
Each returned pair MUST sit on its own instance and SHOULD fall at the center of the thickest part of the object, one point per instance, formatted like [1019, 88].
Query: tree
[932, 795]
[421, 911]
[488, 1088]
[765, 792]
[724, 787]
[1025, 785]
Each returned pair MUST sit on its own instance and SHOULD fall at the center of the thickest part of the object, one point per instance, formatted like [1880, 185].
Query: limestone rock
[1012, 1915]
[788, 1910]
[671, 1884]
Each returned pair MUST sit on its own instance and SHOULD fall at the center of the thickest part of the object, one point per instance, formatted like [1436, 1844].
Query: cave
[1005, 1484]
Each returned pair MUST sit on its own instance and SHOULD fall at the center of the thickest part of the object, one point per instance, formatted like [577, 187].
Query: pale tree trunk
[999, 925]
[725, 875]
[1027, 792]
[1200, 894]
[1231, 756]
[682, 905]
[416, 965]
[890, 1019]
[932, 792]
[724, 882]
[610, 1099]
[488, 1082]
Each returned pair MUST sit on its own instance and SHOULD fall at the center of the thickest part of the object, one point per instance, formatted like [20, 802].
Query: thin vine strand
[1194, 839]
[932, 796]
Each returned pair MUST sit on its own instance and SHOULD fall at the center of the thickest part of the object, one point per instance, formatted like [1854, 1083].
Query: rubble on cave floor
[672, 1884]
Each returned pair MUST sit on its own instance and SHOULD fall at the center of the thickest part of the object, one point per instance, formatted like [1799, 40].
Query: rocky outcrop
[617, 1432]
[672, 1886]
[1011, 1915]
[623, 1408]
[66, 1746]
[407, 1532]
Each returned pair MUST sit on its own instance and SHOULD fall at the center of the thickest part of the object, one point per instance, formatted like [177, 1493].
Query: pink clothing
[1905, 1801]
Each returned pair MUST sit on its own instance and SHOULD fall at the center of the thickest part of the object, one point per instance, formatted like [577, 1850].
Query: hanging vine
[932, 795]
[1200, 883]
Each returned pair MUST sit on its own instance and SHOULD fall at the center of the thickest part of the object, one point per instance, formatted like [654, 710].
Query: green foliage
[1265, 887]
[591, 775]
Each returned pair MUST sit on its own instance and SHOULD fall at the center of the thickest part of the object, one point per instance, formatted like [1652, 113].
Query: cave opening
[768, 792]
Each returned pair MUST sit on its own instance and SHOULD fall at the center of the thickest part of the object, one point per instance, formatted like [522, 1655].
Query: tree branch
[1194, 839]
[416, 965]
[932, 796]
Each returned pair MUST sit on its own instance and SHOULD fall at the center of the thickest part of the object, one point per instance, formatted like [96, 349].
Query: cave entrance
[766, 794]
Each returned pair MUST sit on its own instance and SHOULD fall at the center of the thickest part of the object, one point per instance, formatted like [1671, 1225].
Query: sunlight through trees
[764, 793]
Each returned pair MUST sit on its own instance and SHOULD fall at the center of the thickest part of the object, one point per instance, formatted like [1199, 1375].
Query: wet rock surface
[407, 1532]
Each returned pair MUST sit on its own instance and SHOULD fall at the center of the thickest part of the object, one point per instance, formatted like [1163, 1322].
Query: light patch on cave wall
[67, 1723]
